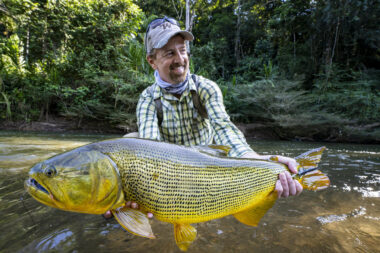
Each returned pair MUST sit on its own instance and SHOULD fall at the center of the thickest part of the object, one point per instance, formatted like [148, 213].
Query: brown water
[343, 218]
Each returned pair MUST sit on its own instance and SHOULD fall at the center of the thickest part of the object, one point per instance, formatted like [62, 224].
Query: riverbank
[60, 125]
[368, 134]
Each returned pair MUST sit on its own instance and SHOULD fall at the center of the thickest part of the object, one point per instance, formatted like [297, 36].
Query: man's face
[171, 61]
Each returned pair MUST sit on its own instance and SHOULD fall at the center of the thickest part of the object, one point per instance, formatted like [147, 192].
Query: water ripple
[337, 218]
[54, 240]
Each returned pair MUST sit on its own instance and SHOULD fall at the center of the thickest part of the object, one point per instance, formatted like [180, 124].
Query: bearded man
[188, 109]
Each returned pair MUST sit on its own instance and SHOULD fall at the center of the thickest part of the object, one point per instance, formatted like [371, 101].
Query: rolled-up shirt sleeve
[146, 117]
[226, 133]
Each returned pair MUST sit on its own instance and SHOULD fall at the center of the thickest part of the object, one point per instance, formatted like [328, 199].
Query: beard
[178, 78]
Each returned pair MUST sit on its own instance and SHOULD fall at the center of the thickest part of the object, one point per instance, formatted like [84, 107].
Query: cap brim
[186, 35]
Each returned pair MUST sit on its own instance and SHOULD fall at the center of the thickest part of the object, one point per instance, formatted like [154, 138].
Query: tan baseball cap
[159, 35]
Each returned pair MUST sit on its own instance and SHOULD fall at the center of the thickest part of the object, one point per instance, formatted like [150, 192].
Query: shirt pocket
[200, 130]
[169, 122]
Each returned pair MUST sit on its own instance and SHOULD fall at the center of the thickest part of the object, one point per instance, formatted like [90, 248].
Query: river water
[342, 218]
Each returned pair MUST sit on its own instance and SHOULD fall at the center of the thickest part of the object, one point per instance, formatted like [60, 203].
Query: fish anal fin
[134, 221]
[315, 180]
[184, 235]
[252, 216]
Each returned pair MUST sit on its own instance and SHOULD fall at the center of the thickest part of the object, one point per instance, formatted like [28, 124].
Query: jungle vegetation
[304, 68]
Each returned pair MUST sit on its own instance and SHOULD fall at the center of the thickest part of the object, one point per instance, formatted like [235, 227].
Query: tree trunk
[179, 12]
[26, 56]
[187, 23]
[335, 41]
[294, 46]
[237, 35]
[330, 60]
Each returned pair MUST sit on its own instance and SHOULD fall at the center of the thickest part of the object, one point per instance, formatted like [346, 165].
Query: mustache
[176, 65]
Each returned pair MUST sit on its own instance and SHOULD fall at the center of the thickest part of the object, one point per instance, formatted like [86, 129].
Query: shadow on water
[342, 218]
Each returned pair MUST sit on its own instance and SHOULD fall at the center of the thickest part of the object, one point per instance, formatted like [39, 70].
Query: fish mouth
[33, 183]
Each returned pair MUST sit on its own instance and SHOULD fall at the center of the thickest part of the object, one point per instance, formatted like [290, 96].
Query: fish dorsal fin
[184, 235]
[253, 215]
[134, 221]
[315, 180]
[213, 149]
[221, 148]
[310, 159]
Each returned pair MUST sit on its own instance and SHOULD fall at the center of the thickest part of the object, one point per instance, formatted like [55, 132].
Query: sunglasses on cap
[159, 21]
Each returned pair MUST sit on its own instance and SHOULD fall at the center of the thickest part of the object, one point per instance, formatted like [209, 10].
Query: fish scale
[190, 186]
[178, 184]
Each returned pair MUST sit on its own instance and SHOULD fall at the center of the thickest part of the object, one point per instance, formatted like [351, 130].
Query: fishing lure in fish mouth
[180, 185]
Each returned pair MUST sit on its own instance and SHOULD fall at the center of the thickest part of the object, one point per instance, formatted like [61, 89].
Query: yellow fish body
[180, 185]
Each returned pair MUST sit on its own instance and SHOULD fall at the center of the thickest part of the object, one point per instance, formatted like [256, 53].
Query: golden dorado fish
[180, 185]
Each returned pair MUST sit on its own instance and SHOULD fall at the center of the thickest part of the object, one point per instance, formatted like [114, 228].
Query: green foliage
[65, 50]
[265, 99]
[299, 66]
[284, 106]
[8, 112]
[205, 60]
[134, 59]
[355, 95]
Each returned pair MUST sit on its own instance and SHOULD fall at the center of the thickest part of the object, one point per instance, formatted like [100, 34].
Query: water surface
[342, 218]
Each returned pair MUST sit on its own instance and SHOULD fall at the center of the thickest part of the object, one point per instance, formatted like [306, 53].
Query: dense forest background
[303, 69]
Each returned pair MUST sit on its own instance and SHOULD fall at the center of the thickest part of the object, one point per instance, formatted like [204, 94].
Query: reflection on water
[342, 218]
[334, 218]
[19, 152]
[53, 240]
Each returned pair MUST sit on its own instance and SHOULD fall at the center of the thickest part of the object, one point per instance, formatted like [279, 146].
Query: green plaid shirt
[181, 123]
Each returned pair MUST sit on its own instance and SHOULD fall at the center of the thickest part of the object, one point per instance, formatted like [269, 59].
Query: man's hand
[285, 186]
[130, 204]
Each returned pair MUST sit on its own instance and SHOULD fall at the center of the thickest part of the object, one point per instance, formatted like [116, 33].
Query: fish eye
[50, 171]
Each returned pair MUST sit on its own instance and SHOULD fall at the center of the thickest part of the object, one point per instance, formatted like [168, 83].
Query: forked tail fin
[309, 159]
[308, 175]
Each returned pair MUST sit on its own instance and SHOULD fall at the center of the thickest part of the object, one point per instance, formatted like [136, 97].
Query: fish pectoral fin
[252, 216]
[184, 235]
[134, 221]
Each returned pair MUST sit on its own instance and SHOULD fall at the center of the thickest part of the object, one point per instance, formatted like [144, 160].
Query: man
[182, 124]
[168, 110]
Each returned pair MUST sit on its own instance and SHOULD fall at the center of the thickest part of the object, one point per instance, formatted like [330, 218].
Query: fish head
[82, 180]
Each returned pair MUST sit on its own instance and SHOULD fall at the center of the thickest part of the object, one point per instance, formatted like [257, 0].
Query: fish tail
[308, 175]
[310, 159]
